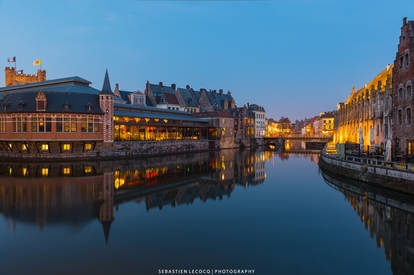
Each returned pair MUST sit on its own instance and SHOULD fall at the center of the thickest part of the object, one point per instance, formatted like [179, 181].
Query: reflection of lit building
[391, 226]
[76, 193]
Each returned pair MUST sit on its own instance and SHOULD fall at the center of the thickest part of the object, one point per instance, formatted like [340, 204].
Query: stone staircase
[330, 148]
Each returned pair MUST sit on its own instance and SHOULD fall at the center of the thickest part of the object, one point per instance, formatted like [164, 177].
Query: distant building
[221, 128]
[128, 97]
[187, 99]
[259, 114]
[325, 124]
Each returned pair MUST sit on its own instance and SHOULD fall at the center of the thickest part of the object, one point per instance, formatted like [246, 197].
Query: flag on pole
[19, 72]
[11, 59]
[37, 62]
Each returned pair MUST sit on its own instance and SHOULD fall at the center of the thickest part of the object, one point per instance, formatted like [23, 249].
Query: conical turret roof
[106, 88]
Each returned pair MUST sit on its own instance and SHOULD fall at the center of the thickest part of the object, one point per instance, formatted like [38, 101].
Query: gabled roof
[217, 99]
[171, 98]
[189, 97]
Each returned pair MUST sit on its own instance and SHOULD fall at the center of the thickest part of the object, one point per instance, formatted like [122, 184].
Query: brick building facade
[403, 80]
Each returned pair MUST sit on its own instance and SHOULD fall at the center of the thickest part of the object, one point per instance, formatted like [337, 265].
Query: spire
[106, 88]
[106, 228]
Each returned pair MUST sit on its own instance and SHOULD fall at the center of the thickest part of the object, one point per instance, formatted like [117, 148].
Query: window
[87, 169]
[66, 171]
[88, 147]
[41, 124]
[377, 130]
[24, 147]
[408, 114]
[19, 124]
[96, 125]
[45, 171]
[407, 60]
[83, 125]
[2, 124]
[399, 117]
[59, 124]
[66, 147]
[66, 124]
[45, 147]
[409, 91]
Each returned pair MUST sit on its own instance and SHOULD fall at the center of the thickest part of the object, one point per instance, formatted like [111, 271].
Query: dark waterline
[275, 213]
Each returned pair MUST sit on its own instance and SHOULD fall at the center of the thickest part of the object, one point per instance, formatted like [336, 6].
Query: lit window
[66, 171]
[45, 147]
[45, 171]
[24, 171]
[87, 169]
[88, 147]
[24, 147]
[66, 147]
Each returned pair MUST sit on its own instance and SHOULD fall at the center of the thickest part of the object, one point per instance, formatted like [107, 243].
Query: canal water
[263, 211]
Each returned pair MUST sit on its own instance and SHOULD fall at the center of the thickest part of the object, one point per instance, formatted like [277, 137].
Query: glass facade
[127, 128]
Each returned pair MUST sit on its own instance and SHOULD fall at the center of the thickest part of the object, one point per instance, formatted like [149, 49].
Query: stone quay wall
[388, 177]
[115, 150]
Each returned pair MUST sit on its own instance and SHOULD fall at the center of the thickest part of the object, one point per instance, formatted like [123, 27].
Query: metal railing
[408, 167]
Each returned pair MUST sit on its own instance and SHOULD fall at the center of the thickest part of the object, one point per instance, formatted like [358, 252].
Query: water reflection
[387, 215]
[74, 194]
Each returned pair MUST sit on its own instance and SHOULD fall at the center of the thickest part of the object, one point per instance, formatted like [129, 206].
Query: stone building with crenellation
[13, 78]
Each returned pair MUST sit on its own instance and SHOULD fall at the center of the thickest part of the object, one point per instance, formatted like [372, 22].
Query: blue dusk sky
[297, 58]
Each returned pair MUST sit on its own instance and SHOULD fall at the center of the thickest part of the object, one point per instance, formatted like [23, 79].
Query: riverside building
[68, 118]
[403, 79]
[366, 115]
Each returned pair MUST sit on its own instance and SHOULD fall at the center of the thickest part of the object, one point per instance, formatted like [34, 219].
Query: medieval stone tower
[106, 102]
[12, 78]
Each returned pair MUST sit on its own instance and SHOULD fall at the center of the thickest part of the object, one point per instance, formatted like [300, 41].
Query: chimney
[117, 87]
[228, 92]
[187, 87]
[173, 86]
[214, 91]
[404, 21]
[160, 84]
[221, 91]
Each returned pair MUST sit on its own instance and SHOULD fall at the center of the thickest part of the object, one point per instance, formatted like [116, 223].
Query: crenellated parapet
[12, 78]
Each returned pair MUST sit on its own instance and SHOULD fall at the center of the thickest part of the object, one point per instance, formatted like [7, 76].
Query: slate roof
[157, 89]
[217, 100]
[124, 96]
[74, 80]
[26, 102]
[106, 88]
[72, 91]
[171, 116]
[189, 97]
[147, 108]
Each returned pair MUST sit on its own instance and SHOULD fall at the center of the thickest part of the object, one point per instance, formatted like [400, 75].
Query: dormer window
[89, 107]
[21, 105]
[66, 106]
[41, 102]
